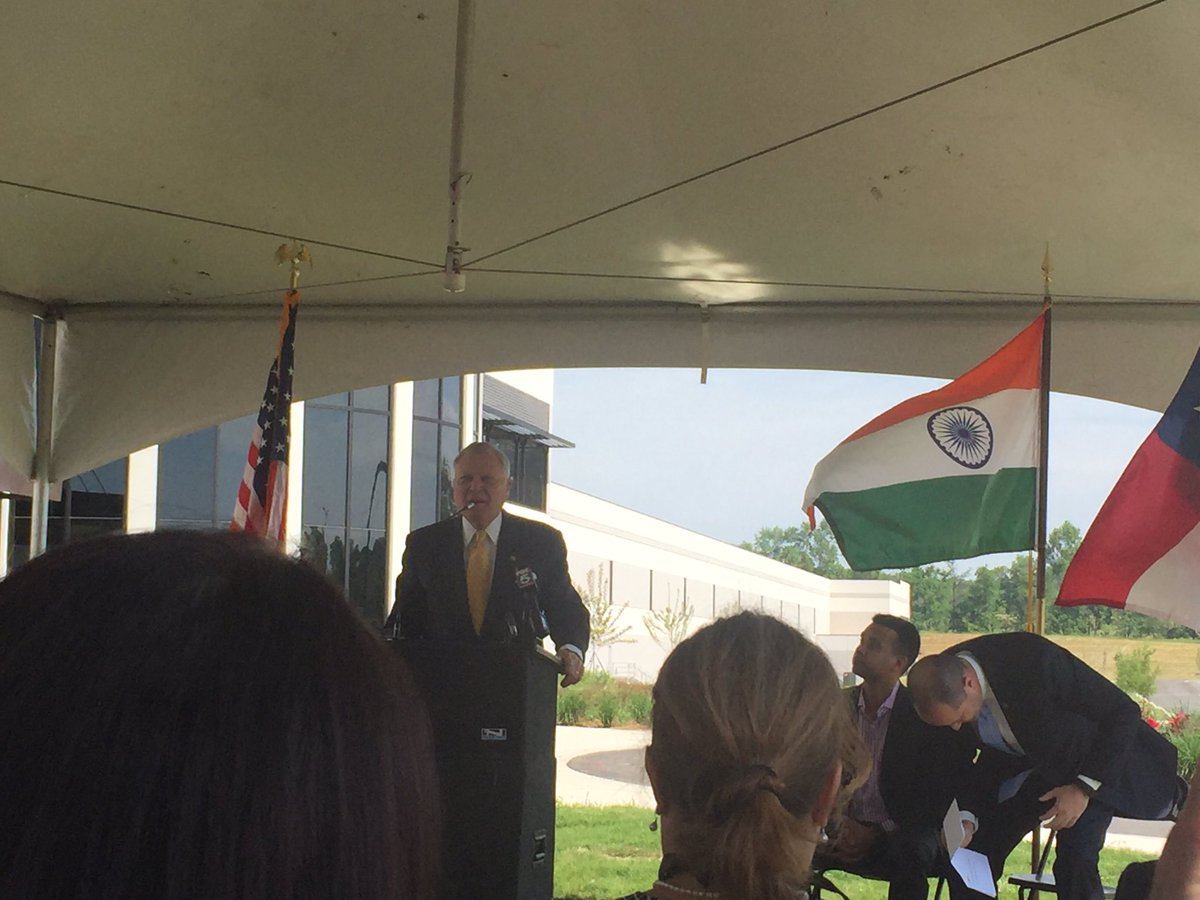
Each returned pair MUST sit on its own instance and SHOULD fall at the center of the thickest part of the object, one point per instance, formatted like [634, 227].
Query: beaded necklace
[692, 892]
[687, 892]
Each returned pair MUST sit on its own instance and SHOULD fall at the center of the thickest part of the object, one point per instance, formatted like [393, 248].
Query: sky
[734, 455]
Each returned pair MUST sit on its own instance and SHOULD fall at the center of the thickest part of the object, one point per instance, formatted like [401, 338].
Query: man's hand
[854, 841]
[572, 667]
[968, 828]
[1069, 803]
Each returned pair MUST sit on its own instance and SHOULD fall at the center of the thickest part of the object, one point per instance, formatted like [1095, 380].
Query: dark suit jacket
[1071, 721]
[431, 592]
[923, 767]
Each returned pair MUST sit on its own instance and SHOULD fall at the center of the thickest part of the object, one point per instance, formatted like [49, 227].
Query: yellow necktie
[479, 578]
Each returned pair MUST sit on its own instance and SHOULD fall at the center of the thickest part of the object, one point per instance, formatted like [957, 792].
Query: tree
[605, 614]
[814, 550]
[982, 601]
[1061, 544]
[932, 590]
[992, 599]
[669, 624]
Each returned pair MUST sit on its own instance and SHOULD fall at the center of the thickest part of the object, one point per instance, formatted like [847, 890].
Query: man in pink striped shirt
[891, 826]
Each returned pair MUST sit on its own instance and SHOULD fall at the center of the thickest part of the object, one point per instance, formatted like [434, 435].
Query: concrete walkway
[575, 786]
[616, 778]
[1173, 695]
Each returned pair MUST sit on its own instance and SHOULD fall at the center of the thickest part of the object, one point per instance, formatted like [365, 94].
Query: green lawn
[607, 851]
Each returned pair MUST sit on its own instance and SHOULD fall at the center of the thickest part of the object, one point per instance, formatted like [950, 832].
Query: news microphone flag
[1142, 552]
[948, 474]
[262, 496]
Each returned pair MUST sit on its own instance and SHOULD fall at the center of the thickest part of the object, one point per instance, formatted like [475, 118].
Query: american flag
[262, 496]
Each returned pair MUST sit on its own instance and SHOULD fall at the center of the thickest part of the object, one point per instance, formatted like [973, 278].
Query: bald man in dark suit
[1058, 743]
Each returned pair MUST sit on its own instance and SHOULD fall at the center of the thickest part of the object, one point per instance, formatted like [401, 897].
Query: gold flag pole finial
[293, 256]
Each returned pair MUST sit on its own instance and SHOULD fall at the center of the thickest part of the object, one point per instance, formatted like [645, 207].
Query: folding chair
[820, 887]
[1034, 883]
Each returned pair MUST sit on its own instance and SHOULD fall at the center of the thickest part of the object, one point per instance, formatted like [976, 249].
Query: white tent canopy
[154, 156]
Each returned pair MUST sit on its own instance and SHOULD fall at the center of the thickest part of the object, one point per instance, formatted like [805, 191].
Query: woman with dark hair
[195, 715]
[751, 749]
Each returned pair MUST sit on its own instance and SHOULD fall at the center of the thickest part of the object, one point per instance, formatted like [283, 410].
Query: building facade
[367, 466]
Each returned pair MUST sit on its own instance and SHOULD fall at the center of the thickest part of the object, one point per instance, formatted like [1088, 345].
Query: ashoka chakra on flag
[964, 434]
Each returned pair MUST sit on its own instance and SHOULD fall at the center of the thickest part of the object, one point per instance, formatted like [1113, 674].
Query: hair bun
[741, 785]
[766, 779]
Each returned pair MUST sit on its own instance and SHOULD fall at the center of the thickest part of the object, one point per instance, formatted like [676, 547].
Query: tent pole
[455, 280]
[1038, 625]
[44, 406]
[1043, 477]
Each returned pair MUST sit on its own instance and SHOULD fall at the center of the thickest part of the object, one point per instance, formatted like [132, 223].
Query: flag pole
[261, 506]
[1043, 446]
[454, 278]
[293, 256]
[1037, 622]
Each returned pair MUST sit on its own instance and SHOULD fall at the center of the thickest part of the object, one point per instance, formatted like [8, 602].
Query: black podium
[493, 712]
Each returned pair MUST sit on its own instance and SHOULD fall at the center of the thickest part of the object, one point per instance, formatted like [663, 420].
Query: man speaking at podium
[479, 574]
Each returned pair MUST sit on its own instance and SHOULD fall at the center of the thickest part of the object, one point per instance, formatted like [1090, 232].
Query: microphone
[470, 504]
[529, 608]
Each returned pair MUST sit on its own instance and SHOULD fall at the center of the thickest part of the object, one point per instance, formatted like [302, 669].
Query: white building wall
[399, 483]
[648, 563]
[471, 411]
[141, 490]
[854, 602]
[5, 519]
[538, 383]
[293, 524]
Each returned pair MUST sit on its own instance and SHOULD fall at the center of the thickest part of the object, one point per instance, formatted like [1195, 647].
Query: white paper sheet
[974, 869]
[953, 832]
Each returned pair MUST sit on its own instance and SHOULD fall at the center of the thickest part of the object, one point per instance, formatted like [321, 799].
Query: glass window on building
[92, 503]
[436, 439]
[199, 475]
[344, 507]
[530, 461]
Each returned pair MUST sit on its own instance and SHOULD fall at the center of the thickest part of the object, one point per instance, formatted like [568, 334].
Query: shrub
[604, 700]
[1187, 741]
[571, 707]
[1136, 674]
[608, 711]
[599, 678]
[638, 706]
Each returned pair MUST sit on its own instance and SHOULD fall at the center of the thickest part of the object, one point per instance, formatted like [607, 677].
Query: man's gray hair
[490, 449]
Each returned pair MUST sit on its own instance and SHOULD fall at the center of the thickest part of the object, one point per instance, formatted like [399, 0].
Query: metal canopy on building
[820, 185]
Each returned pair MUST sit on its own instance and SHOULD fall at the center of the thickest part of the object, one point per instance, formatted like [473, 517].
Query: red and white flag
[1142, 552]
[262, 496]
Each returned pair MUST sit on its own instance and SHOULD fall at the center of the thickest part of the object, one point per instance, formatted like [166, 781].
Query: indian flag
[948, 474]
